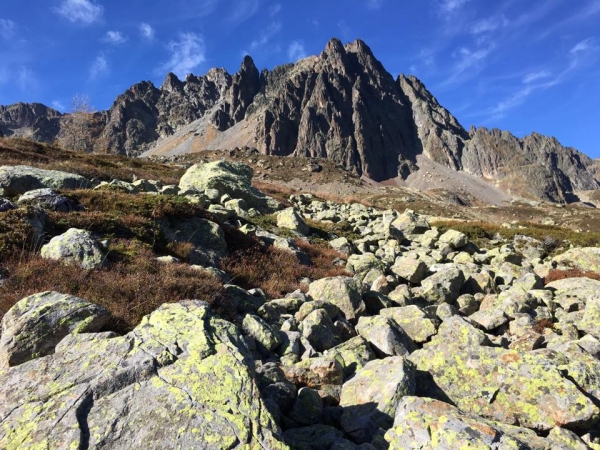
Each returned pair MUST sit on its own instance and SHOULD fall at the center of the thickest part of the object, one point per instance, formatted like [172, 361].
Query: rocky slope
[341, 105]
[426, 341]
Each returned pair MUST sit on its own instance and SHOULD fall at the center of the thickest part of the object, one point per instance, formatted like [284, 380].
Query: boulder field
[427, 342]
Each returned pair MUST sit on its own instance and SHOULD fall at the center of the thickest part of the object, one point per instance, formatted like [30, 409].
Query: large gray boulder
[207, 238]
[290, 219]
[413, 321]
[35, 324]
[182, 379]
[370, 398]
[228, 178]
[443, 286]
[319, 330]
[525, 388]
[426, 423]
[586, 259]
[385, 336]
[75, 247]
[48, 199]
[343, 292]
[16, 180]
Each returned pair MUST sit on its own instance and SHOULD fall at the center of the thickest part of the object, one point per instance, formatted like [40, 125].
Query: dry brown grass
[15, 151]
[555, 275]
[276, 272]
[128, 289]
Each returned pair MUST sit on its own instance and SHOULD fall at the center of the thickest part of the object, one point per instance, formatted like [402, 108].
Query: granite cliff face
[341, 105]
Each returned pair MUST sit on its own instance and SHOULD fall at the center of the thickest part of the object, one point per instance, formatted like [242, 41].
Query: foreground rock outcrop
[183, 378]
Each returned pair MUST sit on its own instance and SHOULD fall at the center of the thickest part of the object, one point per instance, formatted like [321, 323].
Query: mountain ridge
[341, 105]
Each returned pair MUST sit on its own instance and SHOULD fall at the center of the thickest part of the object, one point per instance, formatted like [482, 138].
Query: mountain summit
[341, 105]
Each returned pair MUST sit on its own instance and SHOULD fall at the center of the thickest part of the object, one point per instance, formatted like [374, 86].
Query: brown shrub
[555, 275]
[541, 325]
[275, 271]
[128, 289]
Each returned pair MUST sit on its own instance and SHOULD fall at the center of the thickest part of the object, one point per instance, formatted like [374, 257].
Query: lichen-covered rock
[266, 337]
[290, 219]
[409, 223]
[413, 321]
[443, 286]
[586, 292]
[352, 355]
[363, 263]
[410, 269]
[35, 324]
[430, 424]
[459, 331]
[228, 178]
[182, 378]
[343, 292]
[586, 259]
[369, 399]
[562, 439]
[385, 336]
[75, 247]
[319, 330]
[342, 245]
[527, 388]
[454, 238]
[16, 180]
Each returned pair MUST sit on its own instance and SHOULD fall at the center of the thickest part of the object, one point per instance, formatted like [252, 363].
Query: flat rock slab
[182, 379]
[16, 180]
[425, 423]
[514, 388]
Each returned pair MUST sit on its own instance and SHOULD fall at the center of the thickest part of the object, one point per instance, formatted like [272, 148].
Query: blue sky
[513, 64]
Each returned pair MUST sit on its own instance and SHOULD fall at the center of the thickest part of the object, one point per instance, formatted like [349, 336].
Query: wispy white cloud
[446, 6]
[468, 62]
[147, 31]
[535, 76]
[577, 58]
[296, 51]
[583, 46]
[85, 12]
[114, 37]
[26, 79]
[518, 98]
[99, 67]
[490, 24]
[243, 10]
[586, 14]
[7, 28]
[187, 53]
[275, 9]
[266, 35]
[58, 105]
[374, 4]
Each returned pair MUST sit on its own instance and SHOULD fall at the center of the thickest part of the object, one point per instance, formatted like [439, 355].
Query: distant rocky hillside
[341, 105]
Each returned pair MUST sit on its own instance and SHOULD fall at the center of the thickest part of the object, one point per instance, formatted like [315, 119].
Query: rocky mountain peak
[342, 105]
[171, 83]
